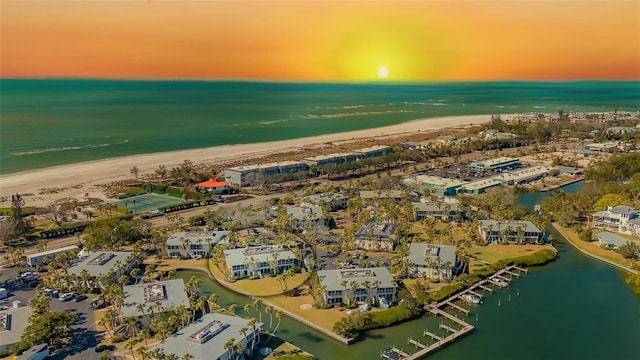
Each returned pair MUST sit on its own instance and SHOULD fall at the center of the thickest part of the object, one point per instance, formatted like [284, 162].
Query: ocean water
[45, 123]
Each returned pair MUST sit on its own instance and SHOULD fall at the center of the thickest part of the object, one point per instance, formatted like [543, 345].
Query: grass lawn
[324, 318]
[289, 351]
[269, 285]
[593, 247]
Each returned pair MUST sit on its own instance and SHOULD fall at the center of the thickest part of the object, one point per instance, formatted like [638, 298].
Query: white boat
[499, 282]
[471, 298]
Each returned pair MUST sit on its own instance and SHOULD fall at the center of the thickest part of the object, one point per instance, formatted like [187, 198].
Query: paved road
[82, 339]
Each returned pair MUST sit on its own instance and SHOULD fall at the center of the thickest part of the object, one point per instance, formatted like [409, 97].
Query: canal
[572, 308]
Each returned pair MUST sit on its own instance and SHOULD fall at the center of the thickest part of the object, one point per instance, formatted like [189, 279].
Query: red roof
[212, 183]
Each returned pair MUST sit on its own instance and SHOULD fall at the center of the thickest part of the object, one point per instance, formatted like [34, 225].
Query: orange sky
[321, 40]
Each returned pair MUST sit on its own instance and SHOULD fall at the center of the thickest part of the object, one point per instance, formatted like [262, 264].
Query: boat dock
[394, 353]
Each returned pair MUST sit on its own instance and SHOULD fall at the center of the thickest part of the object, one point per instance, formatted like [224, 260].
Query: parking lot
[81, 341]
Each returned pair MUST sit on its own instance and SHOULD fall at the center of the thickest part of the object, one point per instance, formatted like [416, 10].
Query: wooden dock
[436, 310]
[504, 278]
[475, 293]
[458, 307]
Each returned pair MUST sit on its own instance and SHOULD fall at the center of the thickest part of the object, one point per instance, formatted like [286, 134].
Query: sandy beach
[44, 186]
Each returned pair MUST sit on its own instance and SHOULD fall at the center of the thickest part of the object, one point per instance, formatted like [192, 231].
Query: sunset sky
[321, 40]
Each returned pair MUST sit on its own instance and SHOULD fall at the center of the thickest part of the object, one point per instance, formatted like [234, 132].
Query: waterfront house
[570, 170]
[446, 139]
[522, 176]
[213, 186]
[373, 151]
[206, 338]
[39, 258]
[611, 240]
[333, 201]
[357, 285]
[194, 243]
[371, 197]
[252, 175]
[509, 231]
[435, 210]
[376, 236]
[103, 263]
[156, 297]
[330, 159]
[619, 218]
[258, 261]
[13, 322]
[434, 261]
[306, 216]
[414, 145]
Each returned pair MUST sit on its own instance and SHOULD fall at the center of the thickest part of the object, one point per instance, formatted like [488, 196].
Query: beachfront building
[330, 159]
[570, 170]
[307, 216]
[611, 240]
[509, 232]
[522, 176]
[377, 236]
[103, 263]
[156, 298]
[446, 139]
[479, 186]
[436, 185]
[258, 261]
[414, 145]
[342, 286]
[619, 218]
[207, 337]
[213, 186]
[495, 164]
[435, 210]
[372, 197]
[13, 322]
[333, 201]
[432, 261]
[40, 257]
[252, 175]
[373, 151]
[194, 243]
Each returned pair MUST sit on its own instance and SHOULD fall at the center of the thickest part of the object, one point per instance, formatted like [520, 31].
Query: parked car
[66, 296]
[28, 276]
[79, 298]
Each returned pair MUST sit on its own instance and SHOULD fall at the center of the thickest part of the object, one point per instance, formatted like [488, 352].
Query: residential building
[341, 286]
[194, 243]
[13, 321]
[523, 176]
[617, 218]
[156, 297]
[213, 186]
[620, 130]
[370, 197]
[102, 263]
[435, 210]
[205, 338]
[437, 185]
[306, 216]
[413, 145]
[258, 261]
[611, 240]
[377, 236]
[434, 261]
[570, 170]
[373, 151]
[333, 201]
[38, 258]
[330, 159]
[251, 175]
[495, 164]
[602, 147]
[36, 352]
[479, 186]
[510, 231]
[446, 139]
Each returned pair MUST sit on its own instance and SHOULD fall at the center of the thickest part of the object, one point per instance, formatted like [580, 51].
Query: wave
[357, 106]
[270, 122]
[64, 148]
[539, 106]
[365, 113]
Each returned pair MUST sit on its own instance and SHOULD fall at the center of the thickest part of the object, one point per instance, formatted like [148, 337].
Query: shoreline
[86, 178]
[594, 256]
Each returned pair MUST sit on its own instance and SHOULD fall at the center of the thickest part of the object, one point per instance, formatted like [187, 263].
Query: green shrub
[118, 338]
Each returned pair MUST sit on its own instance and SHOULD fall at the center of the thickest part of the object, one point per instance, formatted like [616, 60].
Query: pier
[394, 353]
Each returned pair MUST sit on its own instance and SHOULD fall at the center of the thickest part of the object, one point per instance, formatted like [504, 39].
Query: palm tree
[232, 308]
[213, 302]
[269, 310]
[279, 317]
[229, 345]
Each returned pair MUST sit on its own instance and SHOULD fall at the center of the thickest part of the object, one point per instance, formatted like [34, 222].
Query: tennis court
[146, 202]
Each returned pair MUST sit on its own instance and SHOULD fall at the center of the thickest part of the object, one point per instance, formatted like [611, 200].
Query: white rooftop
[257, 253]
[170, 293]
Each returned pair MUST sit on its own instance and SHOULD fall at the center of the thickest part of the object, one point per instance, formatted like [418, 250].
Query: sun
[383, 72]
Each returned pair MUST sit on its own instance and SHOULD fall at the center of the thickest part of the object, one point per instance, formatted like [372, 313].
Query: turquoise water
[572, 308]
[54, 122]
